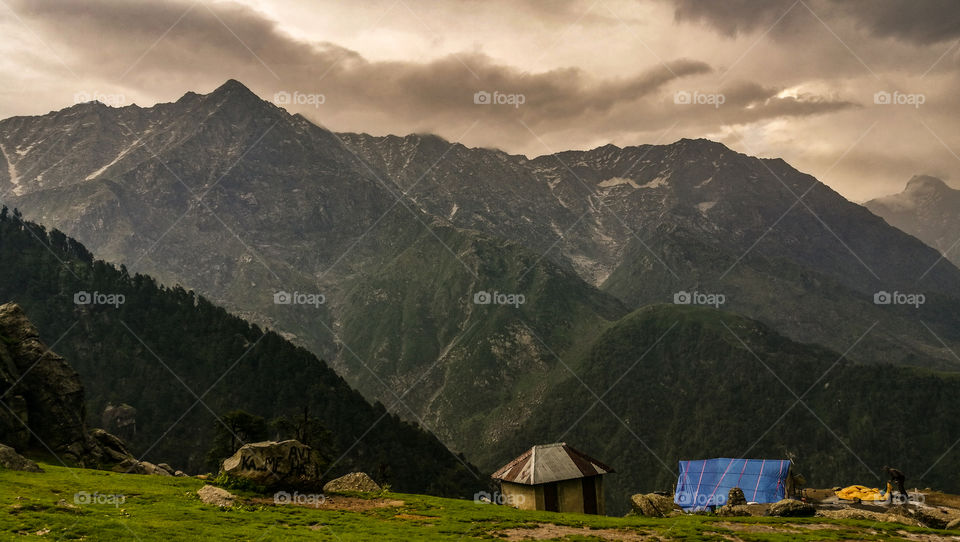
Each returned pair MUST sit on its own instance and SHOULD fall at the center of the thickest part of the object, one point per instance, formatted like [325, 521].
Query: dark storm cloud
[923, 22]
[733, 17]
[118, 39]
[167, 44]
[920, 22]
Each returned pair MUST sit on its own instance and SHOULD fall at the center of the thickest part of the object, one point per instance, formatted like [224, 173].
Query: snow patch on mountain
[12, 172]
[116, 159]
[657, 182]
[617, 181]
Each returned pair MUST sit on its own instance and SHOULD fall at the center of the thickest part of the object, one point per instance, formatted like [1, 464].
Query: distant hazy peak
[926, 183]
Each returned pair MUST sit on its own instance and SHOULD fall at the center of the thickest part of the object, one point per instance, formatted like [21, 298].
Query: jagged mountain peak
[232, 86]
[235, 95]
[699, 143]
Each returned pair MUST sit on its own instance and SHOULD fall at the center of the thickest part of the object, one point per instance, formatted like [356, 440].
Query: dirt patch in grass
[781, 528]
[753, 527]
[549, 531]
[818, 526]
[337, 502]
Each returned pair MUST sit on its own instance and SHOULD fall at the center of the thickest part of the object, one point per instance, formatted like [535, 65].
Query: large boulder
[10, 459]
[790, 508]
[355, 481]
[216, 496]
[276, 464]
[654, 505]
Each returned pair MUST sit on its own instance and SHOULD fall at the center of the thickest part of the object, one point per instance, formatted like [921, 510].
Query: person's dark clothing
[898, 478]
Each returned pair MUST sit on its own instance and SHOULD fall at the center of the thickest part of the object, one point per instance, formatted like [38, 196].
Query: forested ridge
[184, 362]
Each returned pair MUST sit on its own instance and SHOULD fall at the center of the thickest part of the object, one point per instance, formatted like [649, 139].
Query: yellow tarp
[863, 493]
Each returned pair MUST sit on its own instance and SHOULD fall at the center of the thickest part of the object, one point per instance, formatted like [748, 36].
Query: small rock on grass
[216, 496]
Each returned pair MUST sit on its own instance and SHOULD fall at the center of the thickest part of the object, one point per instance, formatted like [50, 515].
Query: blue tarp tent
[705, 483]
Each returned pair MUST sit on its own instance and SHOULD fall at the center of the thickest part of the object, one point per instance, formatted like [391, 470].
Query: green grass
[161, 508]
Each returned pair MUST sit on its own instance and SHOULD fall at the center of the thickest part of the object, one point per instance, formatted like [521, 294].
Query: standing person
[897, 477]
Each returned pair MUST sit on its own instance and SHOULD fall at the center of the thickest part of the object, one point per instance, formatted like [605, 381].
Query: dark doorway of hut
[550, 500]
[589, 486]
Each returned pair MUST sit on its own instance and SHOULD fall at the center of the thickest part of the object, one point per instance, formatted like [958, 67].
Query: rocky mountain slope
[643, 223]
[928, 209]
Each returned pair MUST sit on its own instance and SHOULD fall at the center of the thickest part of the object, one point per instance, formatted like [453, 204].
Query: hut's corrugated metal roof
[546, 463]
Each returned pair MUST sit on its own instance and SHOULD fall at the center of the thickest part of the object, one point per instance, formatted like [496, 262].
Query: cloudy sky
[796, 79]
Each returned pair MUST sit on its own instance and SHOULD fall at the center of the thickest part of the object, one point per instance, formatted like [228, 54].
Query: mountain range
[400, 242]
